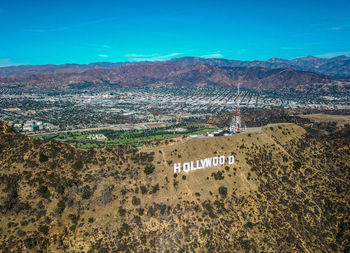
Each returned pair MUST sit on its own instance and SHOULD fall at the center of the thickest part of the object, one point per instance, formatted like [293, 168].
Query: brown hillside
[286, 192]
[176, 75]
[336, 67]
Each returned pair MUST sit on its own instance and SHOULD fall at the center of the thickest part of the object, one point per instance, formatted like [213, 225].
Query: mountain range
[336, 67]
[273, 74]
[175, 76]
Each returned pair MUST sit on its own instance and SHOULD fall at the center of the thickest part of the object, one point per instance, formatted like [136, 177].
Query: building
[99, 137]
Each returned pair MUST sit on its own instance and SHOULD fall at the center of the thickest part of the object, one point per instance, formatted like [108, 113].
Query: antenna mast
[235, 126]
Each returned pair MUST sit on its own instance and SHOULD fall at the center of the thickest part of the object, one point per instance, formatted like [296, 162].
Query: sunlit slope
[285, 192]
[242, 147]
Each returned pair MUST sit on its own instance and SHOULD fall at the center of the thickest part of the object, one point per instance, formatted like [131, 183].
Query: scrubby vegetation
[287, 192]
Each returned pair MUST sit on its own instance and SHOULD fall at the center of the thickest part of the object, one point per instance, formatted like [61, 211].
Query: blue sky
[41, 32]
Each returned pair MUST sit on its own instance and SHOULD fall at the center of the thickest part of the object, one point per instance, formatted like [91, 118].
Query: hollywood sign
[204, 163]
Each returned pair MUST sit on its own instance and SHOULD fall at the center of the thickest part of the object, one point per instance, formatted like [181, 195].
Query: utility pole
[235, 126]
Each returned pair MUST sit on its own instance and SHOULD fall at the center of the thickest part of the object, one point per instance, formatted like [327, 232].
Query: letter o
[222, 160]
[186, 167]
[215, 161]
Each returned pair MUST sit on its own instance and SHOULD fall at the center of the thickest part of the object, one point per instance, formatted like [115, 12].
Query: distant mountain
[27, 70]
[335, 67]
[174, 75]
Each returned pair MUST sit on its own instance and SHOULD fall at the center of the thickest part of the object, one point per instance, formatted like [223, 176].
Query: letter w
[208, 162]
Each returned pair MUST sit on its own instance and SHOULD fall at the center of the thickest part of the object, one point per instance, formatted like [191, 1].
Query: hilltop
[288, 190]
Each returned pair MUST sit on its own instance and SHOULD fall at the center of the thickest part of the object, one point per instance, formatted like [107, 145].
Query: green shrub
[223, 191]
[87, 193]
[296, 165]
[155, 188]
[43, 158]
[295, 208]
[143, 189]
[73, 227]
[254, 168]
[149, 169]
[135, 201]
[121, 211]
[91, 219]
[61, 205]
[125, 229]
[210, 210]
[74, 218]
[78, 165]
[218, 175]
[44, 192]
[249, 225]
[43, 229]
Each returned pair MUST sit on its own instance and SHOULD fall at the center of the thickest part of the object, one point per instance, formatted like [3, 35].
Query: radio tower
[235, 126]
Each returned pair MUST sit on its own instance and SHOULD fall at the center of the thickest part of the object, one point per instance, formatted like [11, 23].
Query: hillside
[288, 191]
[336, 67]
[178, 76]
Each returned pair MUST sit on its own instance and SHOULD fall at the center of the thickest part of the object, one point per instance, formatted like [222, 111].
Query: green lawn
[132, 137]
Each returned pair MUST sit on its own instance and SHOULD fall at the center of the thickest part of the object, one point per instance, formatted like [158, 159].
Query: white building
[96, 137]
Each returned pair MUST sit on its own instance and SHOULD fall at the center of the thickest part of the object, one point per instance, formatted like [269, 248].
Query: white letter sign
[203, 163]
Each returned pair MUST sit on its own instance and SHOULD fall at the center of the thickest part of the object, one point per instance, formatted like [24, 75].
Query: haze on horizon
[60, 32]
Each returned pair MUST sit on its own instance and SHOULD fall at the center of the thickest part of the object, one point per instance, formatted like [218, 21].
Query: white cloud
[150, 57]
[291, 48]
[139, 55]
[333, 54]
[214, 55]
[336, 28]
[98, 46]
[103, 55]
